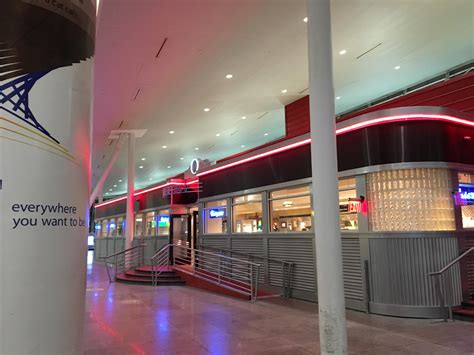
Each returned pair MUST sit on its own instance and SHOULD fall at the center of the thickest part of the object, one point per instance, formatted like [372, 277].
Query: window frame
[262, 204]
[270, 210]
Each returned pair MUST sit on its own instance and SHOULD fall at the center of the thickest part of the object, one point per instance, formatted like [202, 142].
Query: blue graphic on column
[14, 99]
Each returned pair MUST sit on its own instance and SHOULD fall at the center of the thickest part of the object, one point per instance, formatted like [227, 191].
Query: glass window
[465, 198]
[290, 210]
[215, 217]
[349, 204]
[247, 214]
[139, 225]
[120, 226]
[163, 222]
[97, 227]
[150, 226]
[103, 228]
[418, 199]
[112, 228]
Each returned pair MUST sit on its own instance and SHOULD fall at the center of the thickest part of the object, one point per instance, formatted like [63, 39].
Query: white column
[130, 220]
[332, 320]
[45, 149]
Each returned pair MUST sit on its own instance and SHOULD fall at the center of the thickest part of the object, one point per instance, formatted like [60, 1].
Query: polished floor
[132, 319]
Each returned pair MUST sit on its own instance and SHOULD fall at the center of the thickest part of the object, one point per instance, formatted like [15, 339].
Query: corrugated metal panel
[400, 267]
[215, 242]
[300, 251]
[352, 268]
[469, 243]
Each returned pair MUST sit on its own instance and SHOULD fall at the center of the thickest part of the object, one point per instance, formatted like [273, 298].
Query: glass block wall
[410, 200]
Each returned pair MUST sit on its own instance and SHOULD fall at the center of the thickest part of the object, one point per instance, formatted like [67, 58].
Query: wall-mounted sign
[466, 193]
[354, 206]
[194, 166]
[217, 213]
[164, 221]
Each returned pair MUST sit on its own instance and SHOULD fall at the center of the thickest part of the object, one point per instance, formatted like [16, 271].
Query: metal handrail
[287, 266]
[232, 273]
[438, 275]
[135, 260]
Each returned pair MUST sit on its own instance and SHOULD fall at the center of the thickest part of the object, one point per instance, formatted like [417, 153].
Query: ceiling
[263, 44]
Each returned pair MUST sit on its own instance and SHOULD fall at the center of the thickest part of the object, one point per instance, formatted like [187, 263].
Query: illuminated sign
[354, 206]
[216, 213]
[164, 221]
[194, 166]
[466, 193]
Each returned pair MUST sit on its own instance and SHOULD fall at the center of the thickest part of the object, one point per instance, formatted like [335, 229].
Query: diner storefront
[406, 206]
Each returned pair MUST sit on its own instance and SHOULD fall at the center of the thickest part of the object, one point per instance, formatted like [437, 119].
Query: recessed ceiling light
[338, 97]
[218, 134]
[150, 179]
[265, 134]
[169, 166]
[106, 193]
[244, 117]
[242, 146]
[110, 189]
[207, 109]
[115, 185]
[120, 181]
[196, 148]
[164, 147]
[305, 19]
[228, 76]
[140, 167]
[397, 67]
[171, 132]
[342, 52]
[181, 158]
[284, 91]
[143, 159]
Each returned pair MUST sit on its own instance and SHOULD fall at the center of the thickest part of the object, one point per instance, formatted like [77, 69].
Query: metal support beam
[100, 184]
[130, 220]
[332, 319]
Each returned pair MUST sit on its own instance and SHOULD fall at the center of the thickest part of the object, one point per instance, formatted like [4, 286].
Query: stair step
[144, 281]
[167, 276]
[464, 314]
[469, 305]
[148, 269]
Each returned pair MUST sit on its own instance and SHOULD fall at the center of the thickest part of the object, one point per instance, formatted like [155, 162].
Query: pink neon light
[139, 193]
[354, 127]
[398, 118]
[258, 156]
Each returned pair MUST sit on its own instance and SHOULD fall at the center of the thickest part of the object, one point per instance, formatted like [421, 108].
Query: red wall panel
[456, 93]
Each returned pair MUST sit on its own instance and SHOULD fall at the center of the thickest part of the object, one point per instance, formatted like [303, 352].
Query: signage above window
[217, 213]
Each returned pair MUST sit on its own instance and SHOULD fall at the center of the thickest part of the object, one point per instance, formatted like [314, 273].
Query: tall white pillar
[130, 220]
[45, 140]
[332, 319]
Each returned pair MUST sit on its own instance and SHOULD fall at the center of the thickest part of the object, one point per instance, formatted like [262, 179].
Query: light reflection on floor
[132, 319]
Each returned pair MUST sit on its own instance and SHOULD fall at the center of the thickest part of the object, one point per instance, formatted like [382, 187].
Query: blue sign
[216, 213]
[466, 192]
[164, 221]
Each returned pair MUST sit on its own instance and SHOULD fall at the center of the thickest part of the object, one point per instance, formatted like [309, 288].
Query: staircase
[143, 275]
[465, 312]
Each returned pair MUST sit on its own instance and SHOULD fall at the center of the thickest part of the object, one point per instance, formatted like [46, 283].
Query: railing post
[219, 268]
[441, 297]
[256, 283]
[115, 262]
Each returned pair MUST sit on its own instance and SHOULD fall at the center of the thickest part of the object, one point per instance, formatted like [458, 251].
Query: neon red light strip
[356, 126]
[398, 118]
[139, 193]
[258, 156]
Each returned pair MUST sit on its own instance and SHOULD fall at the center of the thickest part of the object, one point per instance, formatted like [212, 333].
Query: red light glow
[354, 127]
